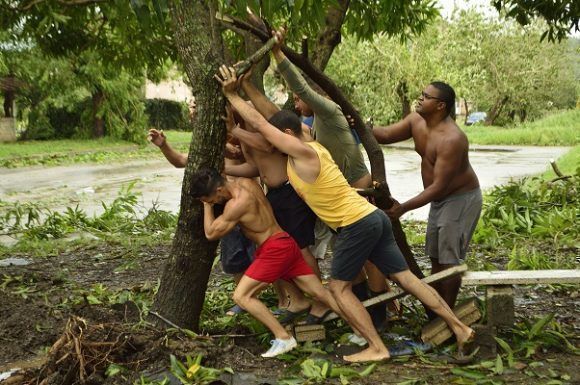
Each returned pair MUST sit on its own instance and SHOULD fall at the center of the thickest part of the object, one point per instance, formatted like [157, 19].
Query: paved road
[156, 180]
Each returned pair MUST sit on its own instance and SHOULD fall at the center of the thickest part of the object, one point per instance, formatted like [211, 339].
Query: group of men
[310, 174]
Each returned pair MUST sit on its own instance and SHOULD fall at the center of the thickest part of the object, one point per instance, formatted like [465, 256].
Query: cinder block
[484, 339]
[500, 305]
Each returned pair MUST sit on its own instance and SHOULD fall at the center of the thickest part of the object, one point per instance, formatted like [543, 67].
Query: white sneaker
[357, 340]
[280, 346]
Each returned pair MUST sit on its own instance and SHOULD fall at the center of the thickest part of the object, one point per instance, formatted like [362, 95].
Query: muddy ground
[37, 301]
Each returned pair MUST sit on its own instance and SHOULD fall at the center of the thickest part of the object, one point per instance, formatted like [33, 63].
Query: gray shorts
[451, 224]
[370, 238]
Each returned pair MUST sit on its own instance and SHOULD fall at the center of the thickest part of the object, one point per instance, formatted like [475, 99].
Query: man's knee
[337, 288]
[240, 297]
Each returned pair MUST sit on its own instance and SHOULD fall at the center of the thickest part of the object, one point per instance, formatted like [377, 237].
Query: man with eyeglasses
[449, 182]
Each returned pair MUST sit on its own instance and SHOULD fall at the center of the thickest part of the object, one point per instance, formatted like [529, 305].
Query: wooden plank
[438, 325]
[397, 292]
[446, 333]
[520, 277]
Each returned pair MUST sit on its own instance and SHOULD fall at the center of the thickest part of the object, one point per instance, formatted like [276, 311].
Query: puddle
[15, 262]
[159, 182]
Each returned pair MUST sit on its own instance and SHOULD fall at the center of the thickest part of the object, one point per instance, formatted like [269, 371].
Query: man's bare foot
[368, 354]
[464, 338]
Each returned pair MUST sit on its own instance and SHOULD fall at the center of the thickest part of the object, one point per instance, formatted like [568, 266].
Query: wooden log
[398, 292]
[520, 277]
[437, 331]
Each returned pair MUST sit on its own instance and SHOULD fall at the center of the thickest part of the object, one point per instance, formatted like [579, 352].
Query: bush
[167, 114]
[50, 122]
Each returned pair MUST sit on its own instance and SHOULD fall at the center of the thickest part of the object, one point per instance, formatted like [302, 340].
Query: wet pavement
[157, 181]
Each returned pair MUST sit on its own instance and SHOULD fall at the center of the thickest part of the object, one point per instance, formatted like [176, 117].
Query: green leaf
[472, 374]
[498, 365]
[539, 325]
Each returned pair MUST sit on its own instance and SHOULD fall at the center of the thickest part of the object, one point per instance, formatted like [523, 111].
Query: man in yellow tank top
[364, 232]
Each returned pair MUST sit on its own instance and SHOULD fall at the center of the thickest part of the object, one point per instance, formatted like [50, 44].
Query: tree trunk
[495, 111]
[98, 121]
[9, 97]
[184, 282]
[330, 35]
[403, 94]
[466, 111]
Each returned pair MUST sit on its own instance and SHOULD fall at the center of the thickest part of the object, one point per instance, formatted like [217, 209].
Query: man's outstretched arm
[159, 139]
[286, 143]
[394, 133]
[446, 167]
[258, 99]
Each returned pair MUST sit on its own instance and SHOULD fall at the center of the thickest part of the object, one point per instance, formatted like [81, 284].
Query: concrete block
[484, 339]
[7, 130]
[500, 305]
[437, 331]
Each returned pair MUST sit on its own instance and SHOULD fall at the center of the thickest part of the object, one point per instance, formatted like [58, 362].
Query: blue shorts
[370, 238]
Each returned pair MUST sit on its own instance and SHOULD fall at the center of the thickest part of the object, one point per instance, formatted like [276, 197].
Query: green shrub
[531, 209]
[167, 114]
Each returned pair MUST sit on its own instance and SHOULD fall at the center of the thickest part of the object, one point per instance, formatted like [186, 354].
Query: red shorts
[279, 257]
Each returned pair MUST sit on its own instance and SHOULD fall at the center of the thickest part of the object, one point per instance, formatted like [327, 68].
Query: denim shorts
[370, 238]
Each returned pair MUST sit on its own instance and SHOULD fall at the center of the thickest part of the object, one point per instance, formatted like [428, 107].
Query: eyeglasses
[427, 96]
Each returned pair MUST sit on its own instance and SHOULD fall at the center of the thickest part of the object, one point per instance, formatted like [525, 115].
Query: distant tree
[101, 40]
[561, 16]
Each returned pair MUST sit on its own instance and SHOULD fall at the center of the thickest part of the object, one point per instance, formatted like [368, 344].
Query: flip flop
[409, 348]
[288, 316]
[279, 311]
[311, 319]
[235, 310]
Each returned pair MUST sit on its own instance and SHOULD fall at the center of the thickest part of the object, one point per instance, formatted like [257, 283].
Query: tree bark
[9, 97]
[495, 111]
[199, 44]
[466, 111]
[330, 36]
[98, 121]
[383, 198]
[403, 93]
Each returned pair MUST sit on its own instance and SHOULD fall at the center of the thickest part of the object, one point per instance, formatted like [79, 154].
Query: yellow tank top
[331, 198]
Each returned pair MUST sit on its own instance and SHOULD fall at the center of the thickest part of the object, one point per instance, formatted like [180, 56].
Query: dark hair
[447, 96]
[205, 181]
[284, 119]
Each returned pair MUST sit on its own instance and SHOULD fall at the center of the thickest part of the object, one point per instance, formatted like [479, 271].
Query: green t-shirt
[330, 127]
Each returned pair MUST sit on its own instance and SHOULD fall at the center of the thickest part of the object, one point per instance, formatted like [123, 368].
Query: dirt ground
[38, 300]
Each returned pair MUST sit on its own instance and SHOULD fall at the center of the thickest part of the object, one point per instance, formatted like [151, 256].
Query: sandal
[235, 310]
[311, 319]
[288, 316]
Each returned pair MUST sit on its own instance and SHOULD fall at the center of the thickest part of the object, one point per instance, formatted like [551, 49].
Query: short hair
[284, 119]
[205, 181]
[447, 96]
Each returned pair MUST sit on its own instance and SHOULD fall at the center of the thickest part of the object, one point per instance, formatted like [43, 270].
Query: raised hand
[228, 80]
[157, 137]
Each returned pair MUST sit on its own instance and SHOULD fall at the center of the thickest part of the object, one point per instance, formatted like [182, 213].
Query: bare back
[271, 165]
[257, 220]
[443, 149]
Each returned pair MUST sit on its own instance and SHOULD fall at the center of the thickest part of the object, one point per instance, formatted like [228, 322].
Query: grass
[67, 151]
[558, 129]
[568, 164]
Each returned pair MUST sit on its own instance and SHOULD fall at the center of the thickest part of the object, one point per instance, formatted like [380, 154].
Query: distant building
[168, 89]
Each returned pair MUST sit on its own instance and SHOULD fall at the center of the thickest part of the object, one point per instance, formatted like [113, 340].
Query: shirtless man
[290, 211]
[364, 232]
[449, 182]
[331, 129]
[277, 257]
